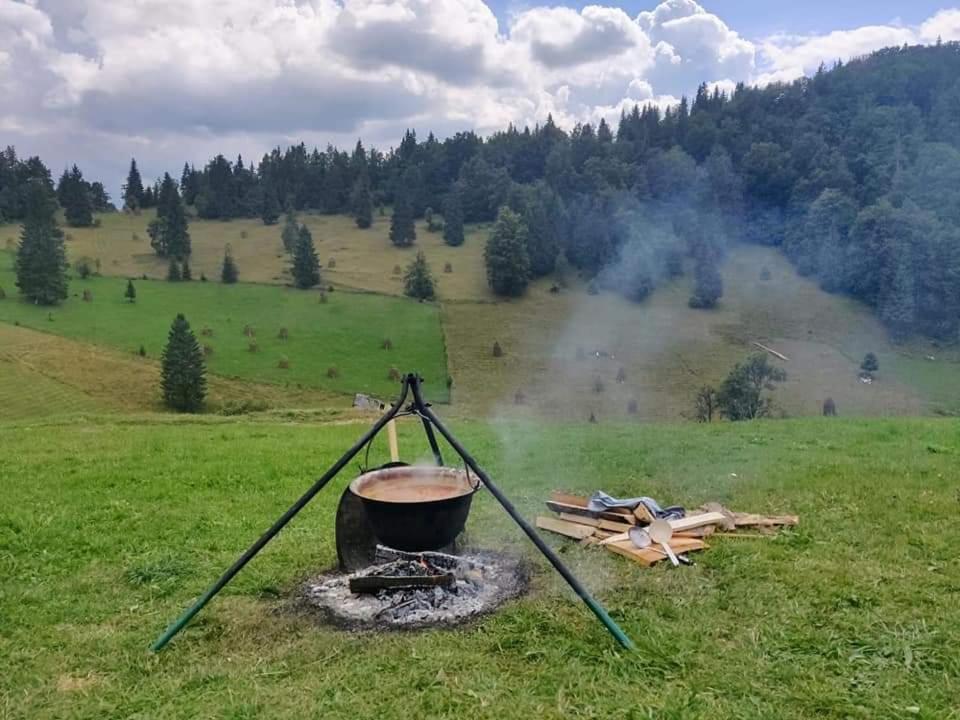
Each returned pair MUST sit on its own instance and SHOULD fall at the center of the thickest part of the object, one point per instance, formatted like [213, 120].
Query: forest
[853, 173]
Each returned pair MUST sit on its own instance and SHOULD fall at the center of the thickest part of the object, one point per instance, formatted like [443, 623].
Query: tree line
[854, 173]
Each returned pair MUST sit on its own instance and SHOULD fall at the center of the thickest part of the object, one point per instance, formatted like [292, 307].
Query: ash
[483, 581]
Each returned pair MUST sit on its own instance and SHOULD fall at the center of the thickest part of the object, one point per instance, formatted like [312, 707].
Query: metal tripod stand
[411, 387]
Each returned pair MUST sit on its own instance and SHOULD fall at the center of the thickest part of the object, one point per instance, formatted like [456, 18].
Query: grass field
[346, 332]
[668, 350]
[110, 527]
[364, 259]
[43, 375]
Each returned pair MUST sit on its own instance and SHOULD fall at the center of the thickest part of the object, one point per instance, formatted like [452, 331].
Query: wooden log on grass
[562, 527]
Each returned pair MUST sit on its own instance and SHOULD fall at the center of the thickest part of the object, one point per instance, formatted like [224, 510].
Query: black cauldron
[415, 508]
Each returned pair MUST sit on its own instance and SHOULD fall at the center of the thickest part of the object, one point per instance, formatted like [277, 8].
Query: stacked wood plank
[609, 529]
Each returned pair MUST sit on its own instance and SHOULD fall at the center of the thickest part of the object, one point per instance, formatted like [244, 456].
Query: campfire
[404, 590]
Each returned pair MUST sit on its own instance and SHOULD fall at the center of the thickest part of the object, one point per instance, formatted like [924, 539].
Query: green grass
[365, 259]
[669, 350]
[346, 332]
[28, 395]
[110, 528]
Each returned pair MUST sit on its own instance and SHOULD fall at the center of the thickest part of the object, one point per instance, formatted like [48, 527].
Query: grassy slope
[110, 528]
[42, 375]
[346, 332]
[668, 350]
[365, 259]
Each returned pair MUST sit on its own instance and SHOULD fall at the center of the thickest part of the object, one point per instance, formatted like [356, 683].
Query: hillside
[109, 528]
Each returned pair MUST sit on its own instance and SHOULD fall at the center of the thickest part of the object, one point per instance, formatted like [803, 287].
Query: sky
[96, 82]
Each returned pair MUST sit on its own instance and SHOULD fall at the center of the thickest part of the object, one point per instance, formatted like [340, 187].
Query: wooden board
[694, 521]
[562, 527]
[582, 502]
[600, 522]
[752, 519]
[649, 556]
[559, 507]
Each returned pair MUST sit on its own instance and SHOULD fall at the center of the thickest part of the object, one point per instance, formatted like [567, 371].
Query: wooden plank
[583, 502]
[771, 351]
[643, 515]
[694, 521]
[752, 519]
[580, 501]
[700, 532]
[562, 527]
[649, 556]
[558, 507]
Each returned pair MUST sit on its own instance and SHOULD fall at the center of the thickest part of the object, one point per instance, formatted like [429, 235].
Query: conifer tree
[361, 201]
[185, 273]
[306, 267]
[182, 373]
[41, 261]
[708, 284]
[418, 281]
[270, 207]
[228, 271]
[169, 235]
[508, 265]
[173, 271]
[131, 293]
[133, 189]
[291, 230]
[403, 233]
[75, 199]
[453, 218]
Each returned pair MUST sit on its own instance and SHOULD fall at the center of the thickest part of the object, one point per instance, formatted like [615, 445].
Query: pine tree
[291, 230]
[229, 272]
[418, 281]
[453, 218]
[169, 235]
[508, 265]
[133, 189]
[270, 207]
[306, 267]
[41, 261]
[185, 273]
[361, 201]
[75, 198]
[182, 373]
[173, 271]
[870, 363]
[131, 293]
[403, 233]
[708, 284]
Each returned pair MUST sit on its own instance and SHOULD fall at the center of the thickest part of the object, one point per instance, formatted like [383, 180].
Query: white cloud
[181, 79]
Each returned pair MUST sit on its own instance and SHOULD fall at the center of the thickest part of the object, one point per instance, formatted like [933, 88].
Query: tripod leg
[252, 551]
[571, 579]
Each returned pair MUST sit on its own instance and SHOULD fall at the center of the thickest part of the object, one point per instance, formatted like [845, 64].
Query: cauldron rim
[385, 473]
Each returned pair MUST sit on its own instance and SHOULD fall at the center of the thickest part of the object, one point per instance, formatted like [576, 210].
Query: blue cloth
[600, 501]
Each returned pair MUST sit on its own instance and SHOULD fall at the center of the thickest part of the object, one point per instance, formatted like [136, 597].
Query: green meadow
[335, 345]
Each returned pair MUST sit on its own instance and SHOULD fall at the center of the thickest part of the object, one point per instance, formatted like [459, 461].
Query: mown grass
[364, 259]
[45, 375]
[110, 527]
[345, 332]
[668, 350]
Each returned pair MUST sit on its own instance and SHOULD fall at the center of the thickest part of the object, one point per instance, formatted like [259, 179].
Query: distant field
[668, 350]
[346, 332]
[109, 529]
[364, 259]
[44, 375]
